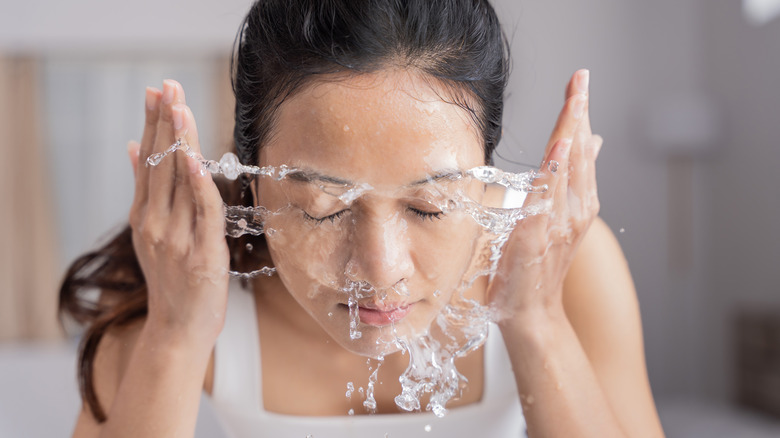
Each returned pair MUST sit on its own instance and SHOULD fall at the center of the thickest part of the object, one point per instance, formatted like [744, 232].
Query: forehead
[391, 127]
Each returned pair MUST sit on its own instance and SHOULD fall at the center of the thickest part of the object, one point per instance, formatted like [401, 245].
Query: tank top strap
[237, 375]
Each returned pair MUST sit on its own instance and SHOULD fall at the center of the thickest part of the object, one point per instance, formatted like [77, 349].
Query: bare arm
[601, 304]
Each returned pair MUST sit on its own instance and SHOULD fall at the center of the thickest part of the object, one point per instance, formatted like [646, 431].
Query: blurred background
[684, 92]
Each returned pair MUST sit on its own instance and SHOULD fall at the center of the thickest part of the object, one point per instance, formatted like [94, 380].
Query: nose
[381, 252]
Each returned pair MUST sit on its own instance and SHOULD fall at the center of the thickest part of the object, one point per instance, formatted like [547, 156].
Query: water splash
[460, 328]
[240, 220]
[354, 318]
[463, 327]
[522, 182]
[264, 271]
[370, 403]
[229, 165]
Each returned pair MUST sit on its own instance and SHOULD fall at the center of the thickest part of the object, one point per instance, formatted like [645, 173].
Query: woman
[383, 94]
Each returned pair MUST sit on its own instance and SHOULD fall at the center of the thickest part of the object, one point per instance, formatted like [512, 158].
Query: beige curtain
[29, 252]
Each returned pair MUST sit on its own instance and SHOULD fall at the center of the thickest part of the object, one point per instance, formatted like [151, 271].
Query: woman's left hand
[537, 256]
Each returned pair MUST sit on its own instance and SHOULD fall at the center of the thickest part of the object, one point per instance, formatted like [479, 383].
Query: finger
[580, 163]
[559, 190]
[186, 129]
[162, 176]
[133, 151]
[578, 84]
[183, 213]
[560, 187]
[592, 151]
[153, 98]
[209, 212]
[573, 110]
[552, 167]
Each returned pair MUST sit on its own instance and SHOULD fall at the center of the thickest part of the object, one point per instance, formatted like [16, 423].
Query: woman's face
[365, 211]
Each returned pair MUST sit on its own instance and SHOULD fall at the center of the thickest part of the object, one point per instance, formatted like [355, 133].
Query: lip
[381, 317]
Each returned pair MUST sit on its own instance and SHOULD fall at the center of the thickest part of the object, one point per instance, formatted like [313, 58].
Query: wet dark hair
[282, 46]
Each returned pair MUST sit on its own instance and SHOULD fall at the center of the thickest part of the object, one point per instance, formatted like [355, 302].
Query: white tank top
[237, 393]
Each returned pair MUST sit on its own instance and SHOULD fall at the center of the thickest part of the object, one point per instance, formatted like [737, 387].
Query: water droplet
[346, 128]
[330, 314]
[553, 166]
[436, 293]
[622, 230]
[211, 166]
[351, 412]
[427, 428]
[155, 159]
[249, 247]
[229, 166]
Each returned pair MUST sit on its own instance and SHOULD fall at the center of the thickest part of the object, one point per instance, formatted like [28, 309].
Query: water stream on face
[370, 403]
[462, 325]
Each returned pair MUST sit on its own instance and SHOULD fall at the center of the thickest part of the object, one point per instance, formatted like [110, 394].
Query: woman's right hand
[178, 226]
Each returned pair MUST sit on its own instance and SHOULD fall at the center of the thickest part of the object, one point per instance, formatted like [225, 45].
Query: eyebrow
[309, 176]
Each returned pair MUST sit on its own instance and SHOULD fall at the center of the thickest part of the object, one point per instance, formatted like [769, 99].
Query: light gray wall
[743, 204]
[636, 51]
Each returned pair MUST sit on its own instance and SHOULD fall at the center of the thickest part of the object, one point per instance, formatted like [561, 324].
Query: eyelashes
[318, 220]
[427, 214]
[423, 215]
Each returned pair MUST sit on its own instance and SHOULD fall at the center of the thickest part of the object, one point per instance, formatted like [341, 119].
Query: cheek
[306, 258]
[444, 251]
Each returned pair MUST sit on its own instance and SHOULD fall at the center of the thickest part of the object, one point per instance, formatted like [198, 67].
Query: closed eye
[427, 214]
[332, 217]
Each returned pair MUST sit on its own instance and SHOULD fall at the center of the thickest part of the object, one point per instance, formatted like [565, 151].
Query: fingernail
[168, 87]
[151, 99]
[578, 107]
[178, 117]
[132, 148]
[583, 81]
